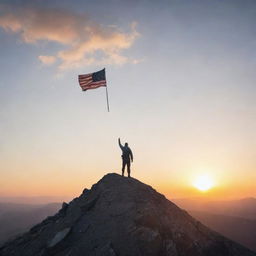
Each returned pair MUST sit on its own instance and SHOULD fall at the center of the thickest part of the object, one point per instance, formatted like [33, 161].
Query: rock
[64, 206]
[122, 216]
[85, 191]
[170, 248]
[58, 237]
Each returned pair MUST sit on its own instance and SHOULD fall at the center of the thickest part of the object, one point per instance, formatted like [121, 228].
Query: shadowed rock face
[121, 217]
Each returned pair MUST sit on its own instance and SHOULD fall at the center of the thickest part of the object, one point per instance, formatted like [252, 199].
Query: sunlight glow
[203, 182]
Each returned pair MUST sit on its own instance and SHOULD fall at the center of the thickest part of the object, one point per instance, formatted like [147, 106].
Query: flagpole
[107, 97]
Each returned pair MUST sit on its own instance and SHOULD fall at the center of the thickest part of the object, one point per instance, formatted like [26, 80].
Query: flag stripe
[85, 76]
[85, 82]
[85, 79]
[100, 82]
[91, 83]
[94, 83]
[94, 87]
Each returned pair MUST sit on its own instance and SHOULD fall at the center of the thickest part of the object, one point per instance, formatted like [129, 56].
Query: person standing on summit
[127, 157]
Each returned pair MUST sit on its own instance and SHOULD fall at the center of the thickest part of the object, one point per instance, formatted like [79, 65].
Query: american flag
[92, 80]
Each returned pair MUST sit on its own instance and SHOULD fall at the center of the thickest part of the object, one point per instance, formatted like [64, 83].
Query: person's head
[126, 144]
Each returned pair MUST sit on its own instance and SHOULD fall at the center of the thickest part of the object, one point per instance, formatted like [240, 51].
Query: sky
[181, 82]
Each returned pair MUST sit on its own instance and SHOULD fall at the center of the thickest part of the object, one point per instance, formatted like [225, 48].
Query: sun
[203, 182]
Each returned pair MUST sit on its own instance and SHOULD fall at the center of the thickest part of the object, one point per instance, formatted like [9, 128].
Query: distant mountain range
[34, 199]
[234, 219]
[18, 218]
[244, 208]
[238, 229]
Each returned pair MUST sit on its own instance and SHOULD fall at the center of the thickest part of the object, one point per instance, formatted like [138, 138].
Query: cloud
[47, 60]
[82, 41]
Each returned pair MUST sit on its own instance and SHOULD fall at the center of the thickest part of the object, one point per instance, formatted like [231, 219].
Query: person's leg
[123, 166]
[129, 168]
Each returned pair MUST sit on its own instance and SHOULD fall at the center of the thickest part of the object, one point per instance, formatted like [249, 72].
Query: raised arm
[119, 142]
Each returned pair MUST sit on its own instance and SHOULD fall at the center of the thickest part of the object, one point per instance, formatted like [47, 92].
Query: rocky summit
[121, 216]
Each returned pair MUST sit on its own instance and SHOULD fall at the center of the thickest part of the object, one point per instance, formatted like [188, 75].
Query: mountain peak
[125, 217]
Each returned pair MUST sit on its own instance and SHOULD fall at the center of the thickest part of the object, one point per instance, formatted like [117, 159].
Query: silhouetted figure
[127, 157]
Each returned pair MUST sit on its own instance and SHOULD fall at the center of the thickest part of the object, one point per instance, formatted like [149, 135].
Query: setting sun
[203, 182]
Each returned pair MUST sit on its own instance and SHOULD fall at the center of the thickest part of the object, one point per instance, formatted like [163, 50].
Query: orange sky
[181, 90]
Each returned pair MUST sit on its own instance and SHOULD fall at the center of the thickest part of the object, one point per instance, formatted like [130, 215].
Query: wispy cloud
[47, 60]
[82, 41]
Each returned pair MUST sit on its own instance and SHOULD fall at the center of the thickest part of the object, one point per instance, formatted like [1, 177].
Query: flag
[92, 80]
